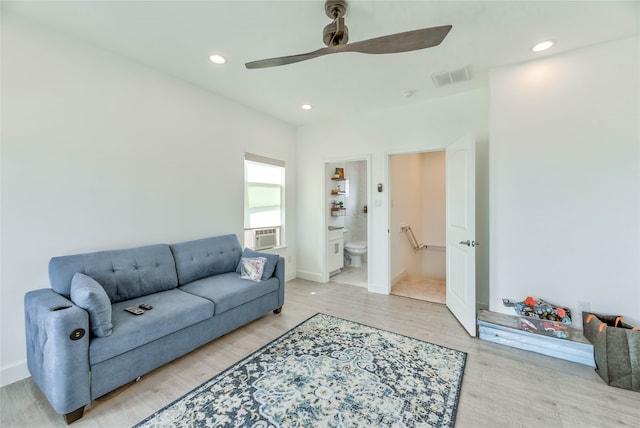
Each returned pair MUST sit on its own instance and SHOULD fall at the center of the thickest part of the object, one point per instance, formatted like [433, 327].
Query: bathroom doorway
[347, 184]
[418, 225]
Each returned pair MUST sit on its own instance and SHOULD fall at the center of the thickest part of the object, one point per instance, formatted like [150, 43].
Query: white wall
[405, 183]
[565, 180]
[434, 210]
[102, 153]
[419, 126]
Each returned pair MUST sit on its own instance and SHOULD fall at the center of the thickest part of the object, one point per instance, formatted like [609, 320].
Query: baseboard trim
[309, 276]
[13, 373]
[291, 275]
[399, 277]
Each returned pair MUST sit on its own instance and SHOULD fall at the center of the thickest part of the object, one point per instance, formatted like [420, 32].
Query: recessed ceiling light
[306, 107]
[217, 59]
[542, 46]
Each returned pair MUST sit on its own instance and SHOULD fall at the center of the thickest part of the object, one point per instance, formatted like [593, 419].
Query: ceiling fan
[336, 36]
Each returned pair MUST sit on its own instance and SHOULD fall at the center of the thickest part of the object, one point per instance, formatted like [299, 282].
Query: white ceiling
[177, 37]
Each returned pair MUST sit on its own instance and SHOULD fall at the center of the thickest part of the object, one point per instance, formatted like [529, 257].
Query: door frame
[427, 149]
[325, 192]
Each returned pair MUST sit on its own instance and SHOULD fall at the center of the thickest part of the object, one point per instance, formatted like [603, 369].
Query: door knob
[467, 243]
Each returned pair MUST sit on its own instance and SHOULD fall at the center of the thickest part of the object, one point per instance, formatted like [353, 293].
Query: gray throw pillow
[87, 293]
[269, 265]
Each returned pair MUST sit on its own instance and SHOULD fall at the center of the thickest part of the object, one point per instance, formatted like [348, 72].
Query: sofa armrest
[57, 335]
[279, 273]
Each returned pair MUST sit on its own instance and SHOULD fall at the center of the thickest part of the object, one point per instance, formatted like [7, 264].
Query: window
[263, 201]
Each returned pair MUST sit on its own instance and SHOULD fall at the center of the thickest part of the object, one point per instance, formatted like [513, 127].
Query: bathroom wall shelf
[338, 179]
[337, 212]
[335, 192]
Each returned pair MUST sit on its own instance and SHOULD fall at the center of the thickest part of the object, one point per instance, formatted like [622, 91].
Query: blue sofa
[75, 355]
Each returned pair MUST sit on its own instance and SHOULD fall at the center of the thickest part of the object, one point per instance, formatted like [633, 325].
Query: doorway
[460, 240]
[347, 221]
[418, 225]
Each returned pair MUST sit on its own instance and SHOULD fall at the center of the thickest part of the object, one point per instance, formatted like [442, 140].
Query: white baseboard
[290, 275]
[309, 276]
[399, 277]
[13, 373]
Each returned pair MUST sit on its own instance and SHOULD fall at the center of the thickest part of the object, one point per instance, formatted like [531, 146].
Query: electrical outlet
[582, 307]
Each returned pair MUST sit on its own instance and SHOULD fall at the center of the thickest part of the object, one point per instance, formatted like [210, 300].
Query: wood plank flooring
[502, 387]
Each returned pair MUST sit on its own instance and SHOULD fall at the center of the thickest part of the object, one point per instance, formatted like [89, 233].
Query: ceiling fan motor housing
[335, 33]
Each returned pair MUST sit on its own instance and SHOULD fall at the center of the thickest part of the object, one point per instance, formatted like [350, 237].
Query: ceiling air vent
[451, 77]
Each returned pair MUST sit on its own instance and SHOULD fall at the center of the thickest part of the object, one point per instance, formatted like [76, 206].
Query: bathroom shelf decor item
[338, 212]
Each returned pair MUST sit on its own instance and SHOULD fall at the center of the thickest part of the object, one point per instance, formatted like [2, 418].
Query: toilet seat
[356, 245]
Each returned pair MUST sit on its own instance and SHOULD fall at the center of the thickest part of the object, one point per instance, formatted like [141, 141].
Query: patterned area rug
[328, 372]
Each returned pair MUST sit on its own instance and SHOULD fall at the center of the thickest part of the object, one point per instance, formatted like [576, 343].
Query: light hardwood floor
[502, 387]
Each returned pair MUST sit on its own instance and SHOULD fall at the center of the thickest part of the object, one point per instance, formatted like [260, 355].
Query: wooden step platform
[507, 330]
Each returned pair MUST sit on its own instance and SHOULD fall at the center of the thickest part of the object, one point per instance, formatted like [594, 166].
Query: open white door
[461, 213]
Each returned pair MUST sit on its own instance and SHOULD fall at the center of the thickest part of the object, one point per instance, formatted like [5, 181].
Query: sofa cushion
[172, 310]
[205, 257]
[90, 296]
[270, 265]
[228, 291]
[124, 274]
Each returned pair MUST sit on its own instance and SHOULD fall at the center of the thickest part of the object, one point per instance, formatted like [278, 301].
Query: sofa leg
[277, 311]
[71, 417]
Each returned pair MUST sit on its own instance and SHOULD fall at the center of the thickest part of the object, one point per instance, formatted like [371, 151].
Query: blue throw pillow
[269, 265]
[87, 293]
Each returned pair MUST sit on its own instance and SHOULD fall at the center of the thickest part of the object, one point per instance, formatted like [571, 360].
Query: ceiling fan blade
[394, 43]
[283, 60]
[401, 42]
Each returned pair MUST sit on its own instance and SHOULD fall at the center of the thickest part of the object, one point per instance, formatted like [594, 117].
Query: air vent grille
[452, 76]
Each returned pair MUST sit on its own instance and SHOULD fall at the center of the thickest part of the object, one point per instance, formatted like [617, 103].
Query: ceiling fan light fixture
[217, 59]
[542, 46]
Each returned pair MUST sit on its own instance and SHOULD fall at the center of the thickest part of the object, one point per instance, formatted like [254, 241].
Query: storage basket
[616, 349]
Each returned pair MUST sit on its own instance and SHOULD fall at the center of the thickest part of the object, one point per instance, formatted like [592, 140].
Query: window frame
[250, 158]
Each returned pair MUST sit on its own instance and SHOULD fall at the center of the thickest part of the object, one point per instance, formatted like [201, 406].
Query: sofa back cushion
[205, 257]
[124, 274]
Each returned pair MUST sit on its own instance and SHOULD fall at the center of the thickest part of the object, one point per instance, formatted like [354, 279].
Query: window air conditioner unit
[264, 238]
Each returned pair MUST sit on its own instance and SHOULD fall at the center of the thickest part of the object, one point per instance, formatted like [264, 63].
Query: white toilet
[356, 250]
